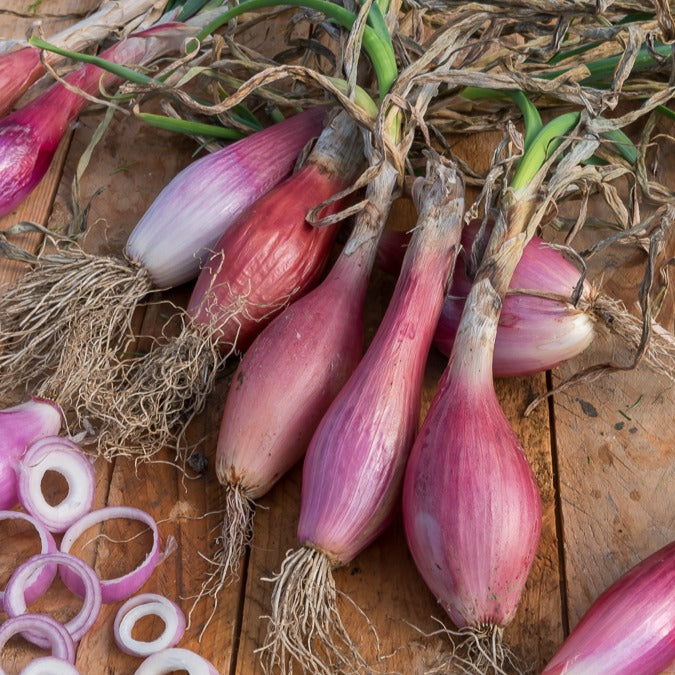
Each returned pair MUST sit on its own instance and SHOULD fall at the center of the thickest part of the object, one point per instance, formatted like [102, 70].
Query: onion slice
[15, 600]
[49, 665]
[120, 588]
[148, 604]
[39, 582]
[53, 635]
[64, 457]
[174, 659]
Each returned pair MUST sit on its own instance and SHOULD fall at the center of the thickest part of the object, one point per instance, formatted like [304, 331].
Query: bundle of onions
[270, 256]
[630, 628]
[66, 319]
[471, 507]
[540, 326]
[354, 466]
[21, 67]
[289, 376]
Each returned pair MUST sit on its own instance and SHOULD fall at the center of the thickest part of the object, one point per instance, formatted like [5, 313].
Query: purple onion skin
[18, 70]
[29, 136]
[354, 465]
[20, 426]
[535, 333]
[630, 628]
[289, 376]
[471, 507]
[185, 221]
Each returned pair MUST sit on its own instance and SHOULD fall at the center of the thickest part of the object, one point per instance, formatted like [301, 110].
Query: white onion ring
[49, 665]
[176, 659]
[15, 601]
[40, 582]
[53, 634]
[144, 605]
[61, 455]
[114, 590]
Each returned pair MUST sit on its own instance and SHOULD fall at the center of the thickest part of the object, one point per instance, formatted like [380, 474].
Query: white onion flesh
[148, 604]
[64, 457]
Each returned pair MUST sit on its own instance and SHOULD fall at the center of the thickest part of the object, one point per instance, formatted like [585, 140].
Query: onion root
[305, 624]
[65, 322]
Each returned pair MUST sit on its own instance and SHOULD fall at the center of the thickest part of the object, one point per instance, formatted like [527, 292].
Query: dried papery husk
[66, 322]
[354, 465]
[268, 258]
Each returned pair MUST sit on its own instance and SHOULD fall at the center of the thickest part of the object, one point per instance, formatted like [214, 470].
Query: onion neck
[339, 148]
[470, 364]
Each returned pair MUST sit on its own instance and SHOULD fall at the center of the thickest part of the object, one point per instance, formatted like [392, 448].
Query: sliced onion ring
[15, 601]
[49, 665]
[142, 605]
[41, 580]
[114, 590]
[53, 634]
[61, 455]
[176, 659]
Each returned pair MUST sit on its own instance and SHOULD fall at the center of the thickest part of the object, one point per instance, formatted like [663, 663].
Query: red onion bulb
[19, 426]
[471, 506]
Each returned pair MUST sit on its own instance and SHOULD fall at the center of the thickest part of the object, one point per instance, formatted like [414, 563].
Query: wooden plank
[615, 440]
[616, 468]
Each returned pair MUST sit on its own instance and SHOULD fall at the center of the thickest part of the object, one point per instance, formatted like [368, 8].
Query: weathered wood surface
[605, 487]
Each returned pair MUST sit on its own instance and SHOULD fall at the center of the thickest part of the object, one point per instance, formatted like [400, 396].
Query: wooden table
[602, 454]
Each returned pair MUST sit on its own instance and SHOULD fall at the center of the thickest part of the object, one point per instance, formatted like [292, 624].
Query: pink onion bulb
[630, 628]
[471, 506]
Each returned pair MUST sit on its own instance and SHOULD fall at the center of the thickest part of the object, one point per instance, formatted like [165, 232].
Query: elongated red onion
[174, 659]
[535, 333]
[289, 376]
[354, 465]
[630, 628]
[29, 136]
[269, 257]
[41, 580]
[21, 67]
[62, 456]
[53, 635]
[78, 307]
[19, 426]
[120, 588]
[471, 506]
[49, 665]
[15, 598]
[148, 604]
